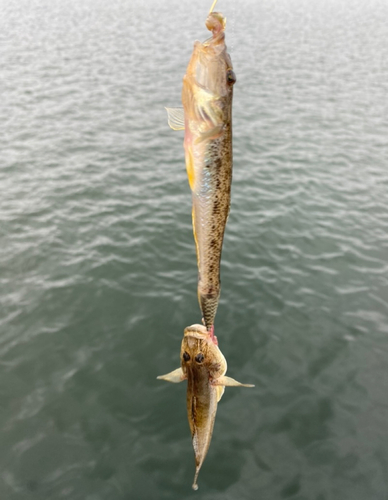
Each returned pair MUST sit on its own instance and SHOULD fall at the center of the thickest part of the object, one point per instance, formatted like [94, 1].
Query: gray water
[98, 268]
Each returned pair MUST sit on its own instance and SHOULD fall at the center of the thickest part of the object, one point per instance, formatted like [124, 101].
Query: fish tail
[195, 483]
[209, 305]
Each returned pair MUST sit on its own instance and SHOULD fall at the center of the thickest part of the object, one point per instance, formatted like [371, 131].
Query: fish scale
[210, 212]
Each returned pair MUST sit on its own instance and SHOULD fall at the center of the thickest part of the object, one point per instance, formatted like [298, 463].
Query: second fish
[206, 118]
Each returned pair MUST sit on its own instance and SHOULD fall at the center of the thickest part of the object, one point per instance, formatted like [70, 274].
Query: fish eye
[199, 357]
[230, 76]
[186, 356]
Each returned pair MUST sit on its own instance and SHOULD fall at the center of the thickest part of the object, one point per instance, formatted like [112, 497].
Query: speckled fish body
[207, 103]
[203, 366]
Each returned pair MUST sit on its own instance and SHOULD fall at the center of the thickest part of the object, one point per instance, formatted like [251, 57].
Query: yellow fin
[220, 391]
[176, 118]
[210, 134]
[190, 168]
[230, 382]
[175, 376]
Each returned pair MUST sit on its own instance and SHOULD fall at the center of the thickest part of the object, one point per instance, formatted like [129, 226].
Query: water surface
[98, 269]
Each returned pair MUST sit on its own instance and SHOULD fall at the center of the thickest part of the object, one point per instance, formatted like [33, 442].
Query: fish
[203, 366]
[206, 118]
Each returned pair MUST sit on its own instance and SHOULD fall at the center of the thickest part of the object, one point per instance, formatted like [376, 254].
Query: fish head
[208, 82]
[200, 356]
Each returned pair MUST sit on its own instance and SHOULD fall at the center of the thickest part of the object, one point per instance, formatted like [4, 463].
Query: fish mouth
[216, 23]
[210, 61]
[197, 332]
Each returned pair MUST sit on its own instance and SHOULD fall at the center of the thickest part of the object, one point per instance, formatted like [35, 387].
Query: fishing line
[233, 23]
[212, 7]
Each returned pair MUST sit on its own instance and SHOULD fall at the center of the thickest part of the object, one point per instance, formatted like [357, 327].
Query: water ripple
[98, 267]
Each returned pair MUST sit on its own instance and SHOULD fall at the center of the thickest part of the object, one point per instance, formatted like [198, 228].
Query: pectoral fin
[229, 382]
[176, 118]
[213, 133]
[220, 391]
[175, 376]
